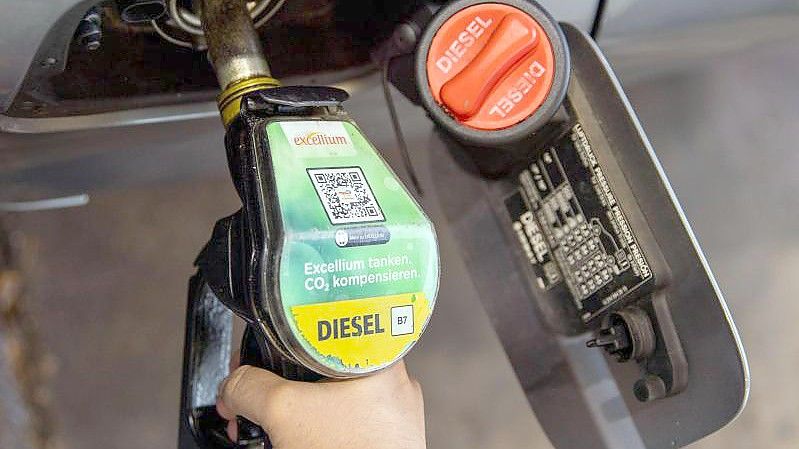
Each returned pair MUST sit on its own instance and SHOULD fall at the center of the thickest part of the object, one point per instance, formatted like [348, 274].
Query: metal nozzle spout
[233, 45]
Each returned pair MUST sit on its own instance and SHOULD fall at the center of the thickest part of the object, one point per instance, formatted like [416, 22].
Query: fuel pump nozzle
[235, 52]
[330, 262]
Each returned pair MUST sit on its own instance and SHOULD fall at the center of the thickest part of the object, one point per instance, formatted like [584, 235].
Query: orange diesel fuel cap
[490, 66]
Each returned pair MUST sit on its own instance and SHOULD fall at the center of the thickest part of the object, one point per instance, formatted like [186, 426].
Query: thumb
[248, 391]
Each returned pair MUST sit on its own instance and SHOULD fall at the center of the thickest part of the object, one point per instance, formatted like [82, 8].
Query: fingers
[223, 410]
[266, 398]
[248, 392]
[232, 430]
[325, 414]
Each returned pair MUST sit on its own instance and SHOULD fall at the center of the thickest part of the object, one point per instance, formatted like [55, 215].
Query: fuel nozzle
[235, 52]
[330, 262]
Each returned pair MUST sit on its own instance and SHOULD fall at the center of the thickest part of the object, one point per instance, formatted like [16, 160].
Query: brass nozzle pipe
[233, 45]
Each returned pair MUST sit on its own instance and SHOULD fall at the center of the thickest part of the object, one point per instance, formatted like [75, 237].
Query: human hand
[381, 411]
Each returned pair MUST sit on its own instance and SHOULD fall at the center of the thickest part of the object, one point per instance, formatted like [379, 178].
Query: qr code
[345, 195]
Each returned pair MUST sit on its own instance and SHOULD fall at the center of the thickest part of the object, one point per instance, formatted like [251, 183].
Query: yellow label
[363, 332]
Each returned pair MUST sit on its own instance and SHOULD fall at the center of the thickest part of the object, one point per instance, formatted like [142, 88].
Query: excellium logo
[327, 138]
[319, 138]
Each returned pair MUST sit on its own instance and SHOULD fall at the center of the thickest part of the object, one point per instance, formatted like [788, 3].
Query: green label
[359, 268]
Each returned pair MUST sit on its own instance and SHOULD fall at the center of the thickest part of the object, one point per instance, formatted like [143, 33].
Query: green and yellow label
[358, 272]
